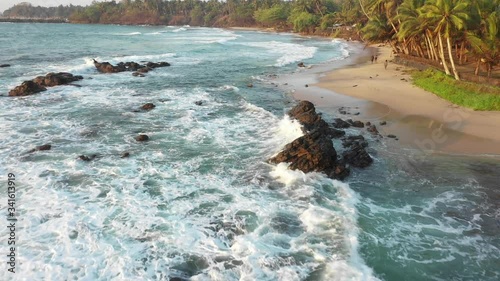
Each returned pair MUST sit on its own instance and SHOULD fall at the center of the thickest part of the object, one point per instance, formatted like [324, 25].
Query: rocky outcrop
[26, 88]
[305, 113]
[314, 152]
[138, 69]
[40, 83]
[55, 79]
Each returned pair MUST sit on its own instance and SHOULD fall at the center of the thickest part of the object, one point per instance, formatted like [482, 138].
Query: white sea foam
[179, 29]
[128, 34]
[290, 52]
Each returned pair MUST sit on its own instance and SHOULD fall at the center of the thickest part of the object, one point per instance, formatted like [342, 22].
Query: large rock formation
[106, 67]
[314, 152]
[55, 79]
[39, 83]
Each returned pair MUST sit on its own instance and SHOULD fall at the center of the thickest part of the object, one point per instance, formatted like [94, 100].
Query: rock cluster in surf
[40, 83]
[139, 69]
[314, 151]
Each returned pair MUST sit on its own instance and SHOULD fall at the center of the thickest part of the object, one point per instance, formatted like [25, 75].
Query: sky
[5, 4]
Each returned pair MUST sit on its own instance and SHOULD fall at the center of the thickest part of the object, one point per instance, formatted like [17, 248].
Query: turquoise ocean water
[198, 201]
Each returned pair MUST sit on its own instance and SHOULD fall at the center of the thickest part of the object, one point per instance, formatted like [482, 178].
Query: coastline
[418, 118]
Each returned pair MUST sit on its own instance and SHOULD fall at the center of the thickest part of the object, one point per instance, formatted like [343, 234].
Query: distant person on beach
[375, 59]
[385, 64]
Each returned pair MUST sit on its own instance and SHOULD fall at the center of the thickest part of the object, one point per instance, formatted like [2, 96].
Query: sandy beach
[418, 118]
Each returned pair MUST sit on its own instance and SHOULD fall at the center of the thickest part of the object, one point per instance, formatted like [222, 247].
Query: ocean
[199, 201]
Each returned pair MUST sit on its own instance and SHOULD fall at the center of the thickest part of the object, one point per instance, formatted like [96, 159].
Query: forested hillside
[28, 11]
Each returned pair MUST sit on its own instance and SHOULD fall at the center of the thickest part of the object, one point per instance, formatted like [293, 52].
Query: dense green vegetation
[27, 11]
[446, 31]
[471, 95]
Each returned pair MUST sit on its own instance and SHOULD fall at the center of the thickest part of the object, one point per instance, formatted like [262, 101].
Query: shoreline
[420, 119]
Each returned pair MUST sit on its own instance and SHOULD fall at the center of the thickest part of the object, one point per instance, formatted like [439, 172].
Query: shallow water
[198, 201]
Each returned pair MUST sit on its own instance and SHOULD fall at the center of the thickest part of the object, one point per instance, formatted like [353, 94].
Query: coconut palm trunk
[441, 54]
[455, 73]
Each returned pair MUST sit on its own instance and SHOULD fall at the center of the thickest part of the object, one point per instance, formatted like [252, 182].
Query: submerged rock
[4, 65]
[142, 138]
[87, 158]
[41, 148]
[148, 106]
[26, 88]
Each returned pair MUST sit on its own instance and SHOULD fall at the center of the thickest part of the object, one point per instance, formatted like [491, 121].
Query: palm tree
[446, 16]
[412, 27]
[487, 46]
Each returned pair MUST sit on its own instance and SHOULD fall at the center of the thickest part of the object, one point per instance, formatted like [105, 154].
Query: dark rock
[372, 129]
[357, 124]
[306, 114]
[391, 136]
[26, 88]
[105, 67]
[354, 140]
[144, 70]
[368, 123]
[54, 79]
[335, 133]
[301, 64]
[137, 74]
[249, 85]
[357, 156]
[340, 172]
[148, 106]
[4, 65]
[125, 155]
[87, 158]
[156, 65]
[382, 123]
[44, 147]
[40, 148]
[307, 85]
[339, 123]
[311, 152]
[198, 102]
[142, 138]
